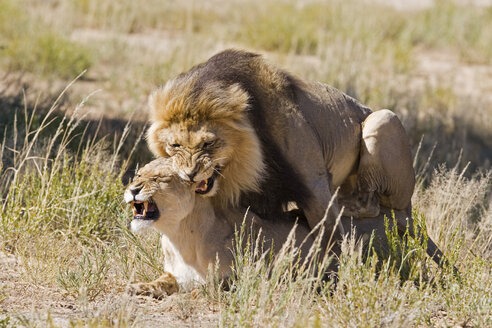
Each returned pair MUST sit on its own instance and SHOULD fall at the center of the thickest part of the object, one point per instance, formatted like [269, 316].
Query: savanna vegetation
[74, 78]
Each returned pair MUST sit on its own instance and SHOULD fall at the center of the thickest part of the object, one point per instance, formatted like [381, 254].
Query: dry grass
[66, 256]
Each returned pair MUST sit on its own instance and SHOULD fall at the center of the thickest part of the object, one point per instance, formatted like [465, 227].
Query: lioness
[249, 133]
[195, 233]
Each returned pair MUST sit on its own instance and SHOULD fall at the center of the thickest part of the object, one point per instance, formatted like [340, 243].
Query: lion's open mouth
[145, 210]
[205, 186]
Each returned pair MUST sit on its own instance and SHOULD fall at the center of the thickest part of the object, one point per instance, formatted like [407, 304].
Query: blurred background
[428, 61]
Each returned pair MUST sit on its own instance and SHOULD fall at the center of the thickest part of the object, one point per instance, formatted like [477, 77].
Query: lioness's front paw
[164, 286]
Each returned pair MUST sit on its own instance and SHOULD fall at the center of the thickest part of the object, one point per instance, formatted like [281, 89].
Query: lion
[251, 134]
[196, 232]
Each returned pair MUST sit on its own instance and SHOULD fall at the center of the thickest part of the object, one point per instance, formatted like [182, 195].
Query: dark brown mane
[281, 184]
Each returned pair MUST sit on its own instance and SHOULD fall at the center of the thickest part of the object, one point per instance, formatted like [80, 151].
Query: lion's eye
[208, 144]
[175, 145]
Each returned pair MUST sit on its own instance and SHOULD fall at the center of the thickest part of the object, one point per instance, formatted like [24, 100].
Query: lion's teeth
[202, 185]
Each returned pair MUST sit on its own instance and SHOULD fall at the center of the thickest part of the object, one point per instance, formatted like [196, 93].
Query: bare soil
[25, 302]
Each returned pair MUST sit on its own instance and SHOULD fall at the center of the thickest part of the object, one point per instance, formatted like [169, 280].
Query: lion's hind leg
[358, 203]
[385, 175]
[165, 285]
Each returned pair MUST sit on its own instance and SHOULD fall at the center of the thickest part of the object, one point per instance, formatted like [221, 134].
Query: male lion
[195, 232]
[252, 134]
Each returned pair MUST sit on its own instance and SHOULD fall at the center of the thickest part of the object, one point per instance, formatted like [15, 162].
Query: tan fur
[251, 107]
[195, 233]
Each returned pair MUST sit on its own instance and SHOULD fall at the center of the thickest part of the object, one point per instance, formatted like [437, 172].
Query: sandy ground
[445, 69]
[405, 5]
[24, 302]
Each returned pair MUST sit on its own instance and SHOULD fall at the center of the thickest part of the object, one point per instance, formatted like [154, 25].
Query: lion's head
[158, 196]
[206, 132]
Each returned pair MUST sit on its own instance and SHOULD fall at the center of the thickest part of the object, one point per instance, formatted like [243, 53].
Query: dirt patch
[444, 68]
[405, 5]
[24, 302]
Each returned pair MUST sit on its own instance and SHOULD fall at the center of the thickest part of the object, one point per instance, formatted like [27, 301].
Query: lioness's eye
[175, 145]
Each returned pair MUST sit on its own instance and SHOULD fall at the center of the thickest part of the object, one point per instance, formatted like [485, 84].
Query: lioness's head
[159, 197]
[206, 132]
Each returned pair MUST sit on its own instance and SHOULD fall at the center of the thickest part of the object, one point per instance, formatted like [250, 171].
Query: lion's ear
[157, 100]
[155, 145]
[237, 97]
[171, 100]
[218, 101]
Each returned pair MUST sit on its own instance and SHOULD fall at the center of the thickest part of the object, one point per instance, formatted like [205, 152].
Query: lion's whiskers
[218, 172]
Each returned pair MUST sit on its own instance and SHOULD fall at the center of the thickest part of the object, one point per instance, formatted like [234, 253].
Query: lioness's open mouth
[205, 186]
[145, 210]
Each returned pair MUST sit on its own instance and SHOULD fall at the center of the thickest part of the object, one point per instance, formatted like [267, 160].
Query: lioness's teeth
[146, 205]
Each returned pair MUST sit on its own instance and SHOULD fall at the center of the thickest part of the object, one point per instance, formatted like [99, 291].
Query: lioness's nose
[192, 174]
[135, 190]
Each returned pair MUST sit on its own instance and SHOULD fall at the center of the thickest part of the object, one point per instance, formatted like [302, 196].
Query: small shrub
[87, 277]
[6, 322]
[407, 254]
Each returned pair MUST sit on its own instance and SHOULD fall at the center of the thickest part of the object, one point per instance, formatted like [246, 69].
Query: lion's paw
[160, 288]
[356, 208]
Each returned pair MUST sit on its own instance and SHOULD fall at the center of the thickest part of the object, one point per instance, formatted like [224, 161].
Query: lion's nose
[191, 176]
